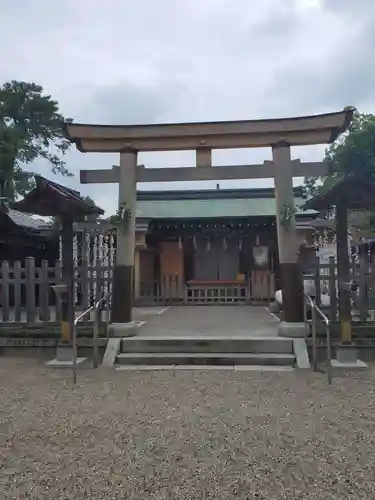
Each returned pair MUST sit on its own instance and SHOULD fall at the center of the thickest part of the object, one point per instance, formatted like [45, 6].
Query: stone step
[207, 358]
[230, 368]
[207, 344]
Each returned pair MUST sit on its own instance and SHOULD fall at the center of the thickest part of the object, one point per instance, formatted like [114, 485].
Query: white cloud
[177, 60]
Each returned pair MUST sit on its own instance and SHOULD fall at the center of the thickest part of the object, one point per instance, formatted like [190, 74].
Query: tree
[352, 153]
[31, 127]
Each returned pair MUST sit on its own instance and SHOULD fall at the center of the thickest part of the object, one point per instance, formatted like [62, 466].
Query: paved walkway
[202, 321]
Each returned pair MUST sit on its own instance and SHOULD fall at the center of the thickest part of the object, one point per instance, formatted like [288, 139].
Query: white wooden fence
[26, 293]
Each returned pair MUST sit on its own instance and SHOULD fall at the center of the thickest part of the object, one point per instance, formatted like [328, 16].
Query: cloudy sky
[145, 61]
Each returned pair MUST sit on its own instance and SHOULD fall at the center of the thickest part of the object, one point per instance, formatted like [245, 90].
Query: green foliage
[352, 153]
[121, 219]
[31, 127]
[287, 214]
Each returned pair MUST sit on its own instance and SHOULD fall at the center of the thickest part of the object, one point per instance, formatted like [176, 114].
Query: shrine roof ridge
[211, 194]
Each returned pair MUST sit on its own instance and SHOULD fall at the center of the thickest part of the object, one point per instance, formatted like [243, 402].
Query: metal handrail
[315, 311]
[96, 309]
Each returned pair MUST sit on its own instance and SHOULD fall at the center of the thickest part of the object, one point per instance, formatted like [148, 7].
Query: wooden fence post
[30, 289]
[317, 282]
[43, 301]
[4, 298]
[362, 292]
[58, 281]
[17, 287]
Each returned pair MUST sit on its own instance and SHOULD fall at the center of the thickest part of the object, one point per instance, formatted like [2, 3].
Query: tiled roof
[51, 199]
[210, 208]
[26, 220]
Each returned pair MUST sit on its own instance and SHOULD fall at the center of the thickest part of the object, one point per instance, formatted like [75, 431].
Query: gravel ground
[192, 435]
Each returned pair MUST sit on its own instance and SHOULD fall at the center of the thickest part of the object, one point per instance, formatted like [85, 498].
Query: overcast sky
[145, 61]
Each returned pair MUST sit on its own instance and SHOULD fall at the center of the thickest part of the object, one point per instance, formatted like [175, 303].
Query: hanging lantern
[240, 244]
[180, 244]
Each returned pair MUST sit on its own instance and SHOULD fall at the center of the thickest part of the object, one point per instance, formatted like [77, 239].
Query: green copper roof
[211, 208]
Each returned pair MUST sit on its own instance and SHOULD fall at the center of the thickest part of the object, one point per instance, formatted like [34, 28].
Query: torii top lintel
[298, 131]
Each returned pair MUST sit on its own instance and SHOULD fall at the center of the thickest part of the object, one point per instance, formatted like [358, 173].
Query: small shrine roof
[352, 191]
[51, 199]
[14, 222]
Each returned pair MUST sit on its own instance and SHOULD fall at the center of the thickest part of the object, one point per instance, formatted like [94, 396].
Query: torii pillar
[293, 324]
[123, 273]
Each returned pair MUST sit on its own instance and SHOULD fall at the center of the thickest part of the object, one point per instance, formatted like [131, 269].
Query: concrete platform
[57, 363]
[124, 329]
[345, 365]
[205, 343]
[263, 368]
[206, 368]
[346, 358]
[204, 358]
[206, 321]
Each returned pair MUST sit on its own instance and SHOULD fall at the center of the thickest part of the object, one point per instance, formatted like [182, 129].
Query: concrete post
[291, 280]
[343, 272]
[123, 273]
[137, 273]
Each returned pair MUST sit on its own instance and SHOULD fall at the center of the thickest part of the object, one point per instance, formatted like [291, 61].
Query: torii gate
[279, 134]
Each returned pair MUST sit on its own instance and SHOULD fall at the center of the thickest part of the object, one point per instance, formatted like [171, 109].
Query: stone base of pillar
[293, 330]
[346, 358]
[292, 292]
[64, 358]
[122, 294]
[124, 329]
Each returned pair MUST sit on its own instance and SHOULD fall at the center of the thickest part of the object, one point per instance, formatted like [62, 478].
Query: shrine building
[215, 246]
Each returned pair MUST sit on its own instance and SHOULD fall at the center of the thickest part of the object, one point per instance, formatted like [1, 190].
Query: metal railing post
[329, 355]
[96, 337]
[96, 308]
[314, 347]
[75, 353]
[315, 312]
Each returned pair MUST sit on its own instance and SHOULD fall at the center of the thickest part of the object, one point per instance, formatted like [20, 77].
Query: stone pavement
[188, 321]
